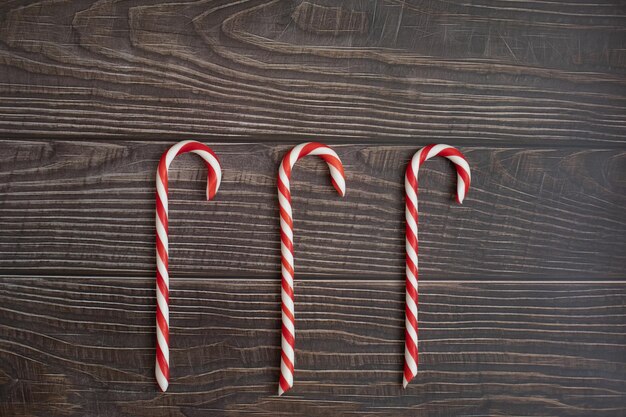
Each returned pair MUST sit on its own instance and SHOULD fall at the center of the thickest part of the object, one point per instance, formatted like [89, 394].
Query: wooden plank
[88, 209]
[444, 71]
[85, 346]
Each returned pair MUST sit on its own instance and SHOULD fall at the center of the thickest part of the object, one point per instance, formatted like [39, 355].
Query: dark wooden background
[523, 298]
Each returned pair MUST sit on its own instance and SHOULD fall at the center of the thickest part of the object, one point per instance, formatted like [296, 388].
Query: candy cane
[286, 246]
[214, 177]
[410, 185]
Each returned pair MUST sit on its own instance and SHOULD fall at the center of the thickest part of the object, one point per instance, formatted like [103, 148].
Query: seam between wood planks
[388, 141]
[309, 279]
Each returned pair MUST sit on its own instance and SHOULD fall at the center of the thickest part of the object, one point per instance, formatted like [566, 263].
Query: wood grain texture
[85, 346]
[479, 72]
[522, 288]
[88, 208]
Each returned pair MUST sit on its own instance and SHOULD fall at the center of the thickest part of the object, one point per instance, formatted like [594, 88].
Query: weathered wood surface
[533, 92]
[88, 208]
[84, 346]
[445, 71]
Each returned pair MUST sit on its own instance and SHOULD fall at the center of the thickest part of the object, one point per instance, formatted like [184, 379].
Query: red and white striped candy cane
[410, 185]
[286, 246]
[214, 177]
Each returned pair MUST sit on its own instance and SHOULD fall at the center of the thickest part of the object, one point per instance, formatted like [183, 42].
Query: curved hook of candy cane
[286, 246]
[214, 178]
[410, 185]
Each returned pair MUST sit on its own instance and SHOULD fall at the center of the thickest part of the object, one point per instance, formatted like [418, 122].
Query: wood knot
[329, 20]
